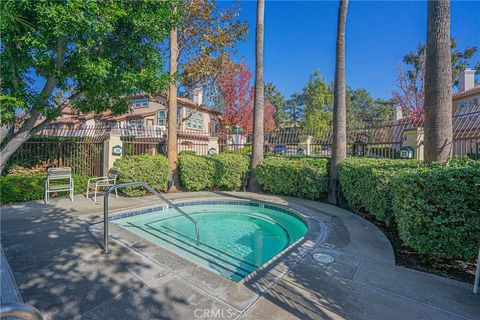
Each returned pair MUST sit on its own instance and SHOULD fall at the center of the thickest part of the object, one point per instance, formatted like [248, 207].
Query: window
[195, 120]
[136, 123]
[141, 103]
[162, 117]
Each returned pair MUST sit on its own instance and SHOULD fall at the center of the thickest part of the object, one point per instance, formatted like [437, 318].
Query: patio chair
[103, 182]
[63, 174]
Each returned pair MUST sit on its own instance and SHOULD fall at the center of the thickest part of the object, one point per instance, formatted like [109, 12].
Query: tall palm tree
[172, 113]
[339, 149]
[258, 139]
[438, 83]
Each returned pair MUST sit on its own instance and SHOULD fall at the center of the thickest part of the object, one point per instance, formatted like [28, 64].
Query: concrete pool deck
[59, 267]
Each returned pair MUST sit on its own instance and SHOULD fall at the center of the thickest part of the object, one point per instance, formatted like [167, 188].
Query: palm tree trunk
[339, 148]
[438, 83]
[258, 123]
[172, 113]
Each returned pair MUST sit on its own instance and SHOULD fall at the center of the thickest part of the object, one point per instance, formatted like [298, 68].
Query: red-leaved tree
[237, 93]
[269, 113]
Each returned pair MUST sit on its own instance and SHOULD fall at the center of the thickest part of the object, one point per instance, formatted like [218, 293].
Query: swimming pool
[236, 237]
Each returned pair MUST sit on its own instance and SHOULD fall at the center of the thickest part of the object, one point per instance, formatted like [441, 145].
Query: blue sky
[300, 37]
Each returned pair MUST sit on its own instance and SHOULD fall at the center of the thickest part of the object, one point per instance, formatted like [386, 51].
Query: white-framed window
[162, 117]
[136, 123]
[195, 120]
[141, 102]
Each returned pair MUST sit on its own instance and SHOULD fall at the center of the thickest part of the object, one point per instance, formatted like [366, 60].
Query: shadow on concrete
[60, 269]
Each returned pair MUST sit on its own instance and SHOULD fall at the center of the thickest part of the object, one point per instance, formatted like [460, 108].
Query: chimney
[397, 113]
[466, 80]
[198, 96]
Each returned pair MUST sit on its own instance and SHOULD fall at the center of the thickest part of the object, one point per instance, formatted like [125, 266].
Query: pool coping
[259, 281]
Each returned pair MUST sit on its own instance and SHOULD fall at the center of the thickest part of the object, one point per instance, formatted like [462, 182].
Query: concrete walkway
[60, 269]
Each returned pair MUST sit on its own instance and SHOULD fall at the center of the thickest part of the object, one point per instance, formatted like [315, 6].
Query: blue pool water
[235, 239]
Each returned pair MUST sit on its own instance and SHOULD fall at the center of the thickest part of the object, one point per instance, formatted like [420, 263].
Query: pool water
[235, 239]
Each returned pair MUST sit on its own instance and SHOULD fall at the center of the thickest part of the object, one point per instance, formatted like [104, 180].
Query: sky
[300, 37]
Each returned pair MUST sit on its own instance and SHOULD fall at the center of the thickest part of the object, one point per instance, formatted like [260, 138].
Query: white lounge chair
[103, 182]
[60, 174]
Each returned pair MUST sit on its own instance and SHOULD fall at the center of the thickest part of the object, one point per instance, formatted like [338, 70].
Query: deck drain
[323, 258]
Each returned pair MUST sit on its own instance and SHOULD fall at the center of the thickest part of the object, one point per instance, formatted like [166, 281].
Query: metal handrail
[146, 186]
[19, 311]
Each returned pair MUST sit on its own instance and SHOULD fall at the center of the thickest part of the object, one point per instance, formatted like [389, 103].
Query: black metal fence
[82, 149]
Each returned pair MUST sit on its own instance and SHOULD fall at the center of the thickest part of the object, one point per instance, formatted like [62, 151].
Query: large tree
[172, 113]
[207, 36]
[273, 95]
[237, 96]
[258, 112]
[294, 110]
[96, 53]
[339, 148]
[438, 83]
[363, 109]
[203, 39]
[317, 98]
[409, 93]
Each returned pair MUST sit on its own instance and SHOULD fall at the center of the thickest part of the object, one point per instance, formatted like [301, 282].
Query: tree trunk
[22, 135]
[339, 148]
[438, 83]
[172, 114]
[258, 123]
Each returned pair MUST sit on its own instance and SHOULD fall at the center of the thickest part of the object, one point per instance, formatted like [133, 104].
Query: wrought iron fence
[82, 148]
[83, 154]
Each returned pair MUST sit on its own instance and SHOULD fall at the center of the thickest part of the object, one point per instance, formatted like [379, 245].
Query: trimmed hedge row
[150, 169]
[28, 187]
[299, 177]
[365, 184]
[220, 171]
[436, 207]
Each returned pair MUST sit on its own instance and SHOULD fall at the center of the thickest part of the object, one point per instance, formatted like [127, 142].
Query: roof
[127, 116]
[183, 100]
[466, 93]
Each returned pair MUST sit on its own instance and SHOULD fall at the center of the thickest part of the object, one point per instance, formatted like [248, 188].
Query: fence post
[305, 142]
[111, 148]
[414, 139]
[213, 144]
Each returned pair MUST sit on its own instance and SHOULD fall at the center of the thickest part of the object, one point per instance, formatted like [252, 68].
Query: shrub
[230, 170]
[437, 209]
[188, 152]
[300, 176]
[220, 171]
[239, 149]
[365, 184]
[150, 169]
[28, 187]
[196, 172]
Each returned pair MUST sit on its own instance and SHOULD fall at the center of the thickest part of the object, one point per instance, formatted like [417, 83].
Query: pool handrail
[19, 311]
[146, 186]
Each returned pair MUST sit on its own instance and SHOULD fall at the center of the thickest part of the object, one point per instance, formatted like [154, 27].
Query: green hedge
[365, 184]
[299, 177]
[220, 171]
[195, 172]
[437, 209]
[150, 169]
[28, 187]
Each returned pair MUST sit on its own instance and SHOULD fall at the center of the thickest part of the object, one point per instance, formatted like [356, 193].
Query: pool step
[210, 254]
[226, 264]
